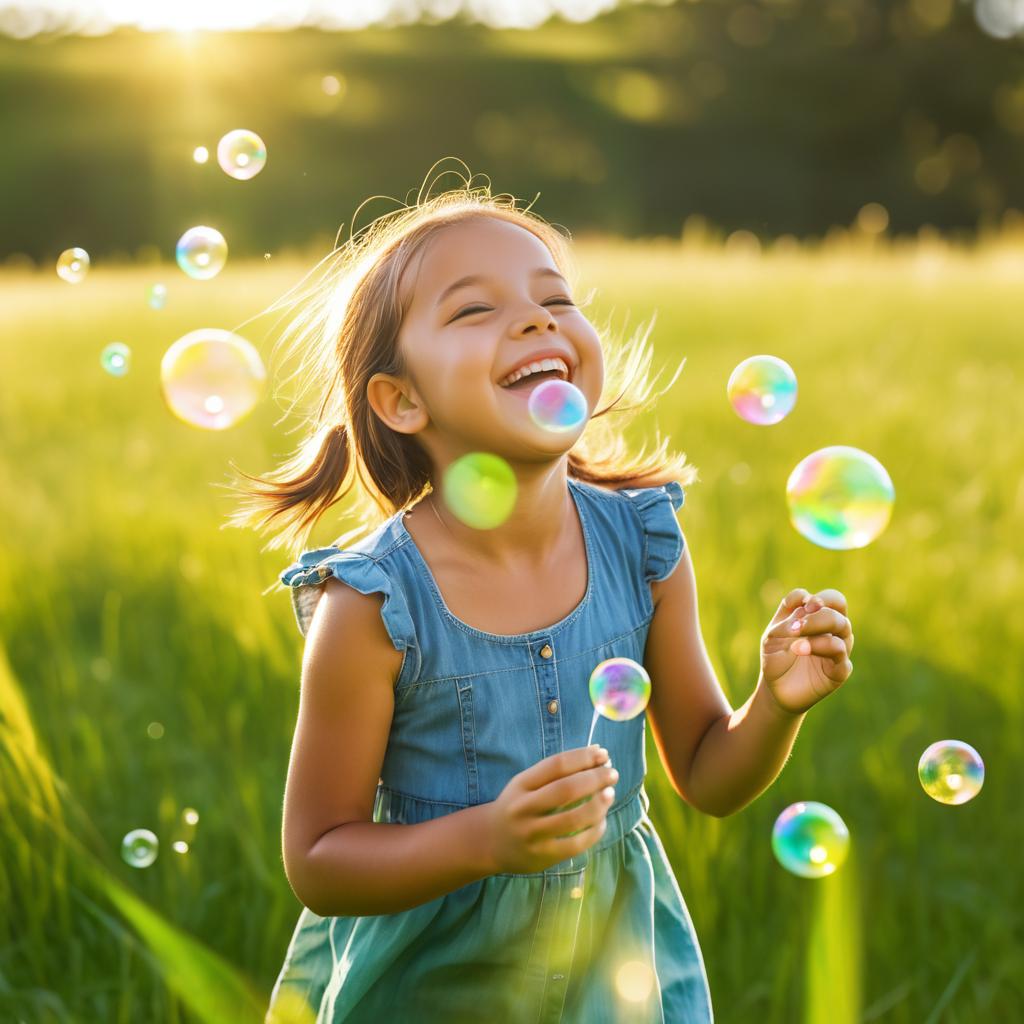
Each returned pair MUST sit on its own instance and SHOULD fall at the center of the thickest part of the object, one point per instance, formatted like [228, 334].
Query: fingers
[563, 791]
[825, 646]
[827, 620]
[808, 602]
[562, 764]
[792, 600]
[575, 819]
[832, 599]
[591, 812]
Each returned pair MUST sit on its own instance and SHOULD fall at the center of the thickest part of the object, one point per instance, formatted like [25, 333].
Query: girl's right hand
[527, 835]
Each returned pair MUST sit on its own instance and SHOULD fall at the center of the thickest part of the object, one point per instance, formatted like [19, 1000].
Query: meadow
[144, 667]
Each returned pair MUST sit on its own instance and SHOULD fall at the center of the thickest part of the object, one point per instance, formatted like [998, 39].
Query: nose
[538, 320]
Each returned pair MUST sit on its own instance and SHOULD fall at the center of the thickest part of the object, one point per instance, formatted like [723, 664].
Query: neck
[533, 531]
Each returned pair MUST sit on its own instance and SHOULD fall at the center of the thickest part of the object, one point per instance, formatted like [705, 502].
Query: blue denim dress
[472, 709]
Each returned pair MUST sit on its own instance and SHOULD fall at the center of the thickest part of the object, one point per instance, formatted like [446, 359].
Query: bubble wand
[619, 690]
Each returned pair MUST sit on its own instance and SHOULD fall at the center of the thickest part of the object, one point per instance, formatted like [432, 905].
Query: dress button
[545, 651]
[553, 707]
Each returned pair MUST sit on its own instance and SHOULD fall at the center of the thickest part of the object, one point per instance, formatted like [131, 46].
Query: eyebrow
[478, 278]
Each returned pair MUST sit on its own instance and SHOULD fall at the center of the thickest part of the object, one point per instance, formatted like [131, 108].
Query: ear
[396, 404]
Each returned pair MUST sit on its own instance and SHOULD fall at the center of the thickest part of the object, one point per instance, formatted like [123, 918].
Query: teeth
[536, 367]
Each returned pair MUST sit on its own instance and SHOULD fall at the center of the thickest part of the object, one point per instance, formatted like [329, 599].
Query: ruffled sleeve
[663, 539]
[360, 572]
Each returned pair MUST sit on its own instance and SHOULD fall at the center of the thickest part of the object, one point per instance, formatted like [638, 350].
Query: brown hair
[347, 330]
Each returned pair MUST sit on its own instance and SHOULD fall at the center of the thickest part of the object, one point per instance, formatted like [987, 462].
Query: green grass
[122, 603]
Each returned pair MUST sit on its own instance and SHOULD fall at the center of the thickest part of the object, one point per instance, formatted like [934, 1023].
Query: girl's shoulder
[363, 565]
[649, 514]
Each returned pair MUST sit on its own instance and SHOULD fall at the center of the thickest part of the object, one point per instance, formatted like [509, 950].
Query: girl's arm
[717, 759]
[337, 859]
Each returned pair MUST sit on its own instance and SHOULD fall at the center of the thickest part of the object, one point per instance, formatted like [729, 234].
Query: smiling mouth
[525, 385]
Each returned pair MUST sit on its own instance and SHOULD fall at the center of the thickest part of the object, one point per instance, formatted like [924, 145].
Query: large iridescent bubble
[557, 406]
[951, 771]
[810, 839]
[211, 378]
[762, 389]
[202, 252]
[241, 154]
[619, 689]
[139, 848]
[73, 265]
[116, 358]
[480, 490]
[840, 497]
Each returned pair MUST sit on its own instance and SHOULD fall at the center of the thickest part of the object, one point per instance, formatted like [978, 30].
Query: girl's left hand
[805, 651]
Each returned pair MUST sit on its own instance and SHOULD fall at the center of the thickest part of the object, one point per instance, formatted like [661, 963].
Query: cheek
[592, 376]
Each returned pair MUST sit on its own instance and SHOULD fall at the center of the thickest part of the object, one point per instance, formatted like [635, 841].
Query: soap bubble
[951, 772]
[73, 265]
[241, 154]
[180, 846]
[139, 848]
[202, 252]
[809, 839]
[480, 490]
[156, 296]
[211, 378]
[558, 406]
[115, 358]
[200, 154]
[762, 390]
[840, 497]
[619, 689]
[190, 816]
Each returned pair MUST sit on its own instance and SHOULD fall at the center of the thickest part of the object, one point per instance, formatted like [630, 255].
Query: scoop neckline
[428, 575]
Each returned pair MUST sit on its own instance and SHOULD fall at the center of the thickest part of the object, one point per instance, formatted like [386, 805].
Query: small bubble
[139, 848]
[810, 839]
[951, 772]
[620, 689]
[762, 390]
[73, 265]
[241, 154]
[201, 252]
[116, 358]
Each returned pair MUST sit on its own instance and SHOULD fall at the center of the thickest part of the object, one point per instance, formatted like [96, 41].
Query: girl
[442, 823]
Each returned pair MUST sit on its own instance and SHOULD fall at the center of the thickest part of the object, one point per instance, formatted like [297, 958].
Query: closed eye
[483, 309]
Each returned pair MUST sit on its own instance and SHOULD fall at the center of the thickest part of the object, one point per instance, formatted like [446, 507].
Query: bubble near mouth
[558, 406]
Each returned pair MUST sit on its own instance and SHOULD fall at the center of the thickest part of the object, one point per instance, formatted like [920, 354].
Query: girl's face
[486, 297]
